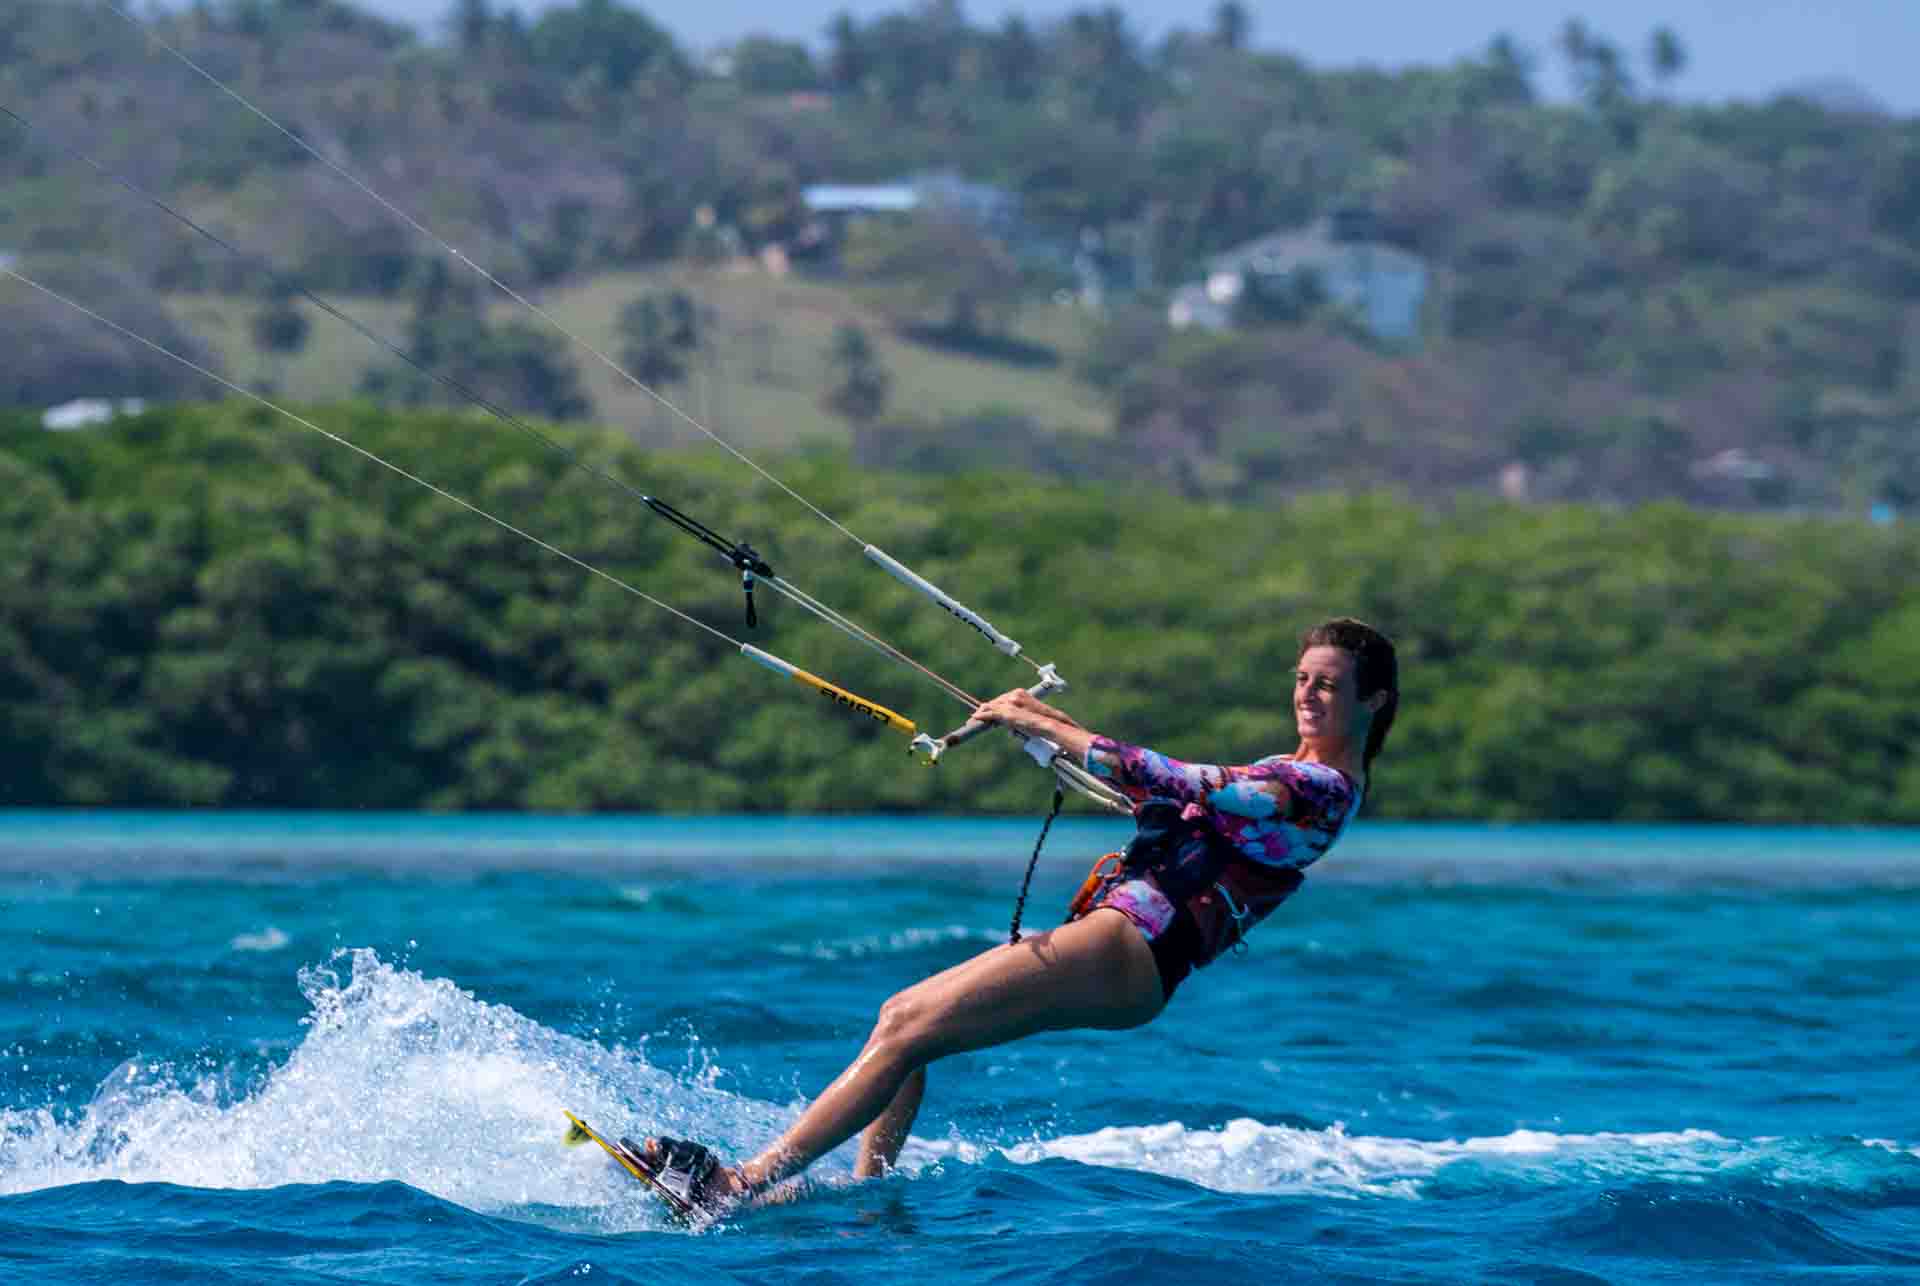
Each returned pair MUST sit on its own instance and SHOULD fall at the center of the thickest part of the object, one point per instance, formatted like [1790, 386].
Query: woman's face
[1326, 696]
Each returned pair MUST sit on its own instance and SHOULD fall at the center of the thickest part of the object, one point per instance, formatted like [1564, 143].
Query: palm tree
[1667, 54]
[1231, 23]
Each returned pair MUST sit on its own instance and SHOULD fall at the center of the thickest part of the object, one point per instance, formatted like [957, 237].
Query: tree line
[208, 606]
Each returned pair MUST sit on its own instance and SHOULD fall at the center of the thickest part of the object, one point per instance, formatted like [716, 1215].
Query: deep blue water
[336, 1048]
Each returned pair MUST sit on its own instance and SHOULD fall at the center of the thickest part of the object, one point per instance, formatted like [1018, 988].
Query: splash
[399, 1077]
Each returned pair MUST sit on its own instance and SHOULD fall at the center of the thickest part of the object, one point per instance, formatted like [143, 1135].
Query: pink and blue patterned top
[1289, 828]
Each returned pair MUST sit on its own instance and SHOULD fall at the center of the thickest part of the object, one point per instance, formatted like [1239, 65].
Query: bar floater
[947, 602]
[839, 696]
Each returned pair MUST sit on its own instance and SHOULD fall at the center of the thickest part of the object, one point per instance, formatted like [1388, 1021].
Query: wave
[1248, 1156]
[1668, 1223]
[399, 1077]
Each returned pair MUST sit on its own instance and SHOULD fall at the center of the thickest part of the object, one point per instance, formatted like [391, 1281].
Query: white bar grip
[906, 576]
[768, 659]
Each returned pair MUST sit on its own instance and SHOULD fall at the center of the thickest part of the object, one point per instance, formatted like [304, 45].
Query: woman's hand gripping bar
[931, 748]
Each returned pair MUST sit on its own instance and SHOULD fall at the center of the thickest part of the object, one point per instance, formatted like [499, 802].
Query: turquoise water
[336, 1048]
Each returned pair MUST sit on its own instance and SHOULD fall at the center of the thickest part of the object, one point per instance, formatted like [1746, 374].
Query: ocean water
[240, 1048]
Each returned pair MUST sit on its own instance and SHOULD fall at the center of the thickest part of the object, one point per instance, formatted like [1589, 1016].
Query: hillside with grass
[1630, 298]
[756, 377]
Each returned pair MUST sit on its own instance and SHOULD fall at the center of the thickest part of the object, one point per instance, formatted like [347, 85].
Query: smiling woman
[1216, 850]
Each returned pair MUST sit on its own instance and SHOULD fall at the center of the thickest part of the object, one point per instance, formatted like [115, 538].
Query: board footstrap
[623, 1151]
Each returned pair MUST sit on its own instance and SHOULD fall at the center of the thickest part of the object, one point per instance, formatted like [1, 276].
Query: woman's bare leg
[1096, 972]
[880, 1145]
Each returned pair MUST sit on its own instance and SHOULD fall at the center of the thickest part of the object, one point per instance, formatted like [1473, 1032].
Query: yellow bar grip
[858, 704]
[838, 695]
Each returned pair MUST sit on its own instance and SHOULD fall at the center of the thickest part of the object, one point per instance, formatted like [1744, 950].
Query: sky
[1744, 49]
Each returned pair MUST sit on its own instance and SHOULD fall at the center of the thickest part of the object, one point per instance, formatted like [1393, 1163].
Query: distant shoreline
[145, 843]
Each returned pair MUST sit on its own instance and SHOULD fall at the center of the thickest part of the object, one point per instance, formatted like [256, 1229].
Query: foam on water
[270, 938]
[898, 942]
[1250, 1157]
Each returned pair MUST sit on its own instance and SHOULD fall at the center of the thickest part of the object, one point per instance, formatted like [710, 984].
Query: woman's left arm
[1252, 791]
[1259, 791]
[1027, 714]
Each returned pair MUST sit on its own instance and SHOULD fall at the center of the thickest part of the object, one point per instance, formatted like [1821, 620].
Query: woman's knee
[904, 1028]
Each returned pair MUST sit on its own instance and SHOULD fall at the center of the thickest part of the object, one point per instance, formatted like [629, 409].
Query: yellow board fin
[579, 1132]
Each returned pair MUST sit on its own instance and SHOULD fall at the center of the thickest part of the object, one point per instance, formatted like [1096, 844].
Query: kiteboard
[627, 1153]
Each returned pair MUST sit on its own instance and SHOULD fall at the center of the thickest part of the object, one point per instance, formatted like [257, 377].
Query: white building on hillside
[1383, 285]
[85, 412]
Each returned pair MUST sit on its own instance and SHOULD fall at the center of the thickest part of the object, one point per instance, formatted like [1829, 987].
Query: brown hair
[1375, 669]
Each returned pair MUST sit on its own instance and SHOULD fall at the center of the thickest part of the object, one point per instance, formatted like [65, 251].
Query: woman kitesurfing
[1216, 850]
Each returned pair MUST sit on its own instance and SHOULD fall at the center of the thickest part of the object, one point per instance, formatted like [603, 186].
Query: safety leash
[1020, 904]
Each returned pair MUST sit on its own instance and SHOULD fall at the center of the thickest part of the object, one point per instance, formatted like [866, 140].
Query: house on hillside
[1341, 254]
[833, 207]
[85, 412]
